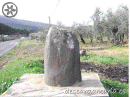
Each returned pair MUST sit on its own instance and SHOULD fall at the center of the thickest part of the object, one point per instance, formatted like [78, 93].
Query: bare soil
[115, 73]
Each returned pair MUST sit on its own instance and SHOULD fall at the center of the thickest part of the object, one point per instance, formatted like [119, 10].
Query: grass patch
[29, 42]
[24, 58]
[115, 88]
[116, 46]
[105, 59]
[26, 49]
[109, 50]
[37, 66]
[16, 69]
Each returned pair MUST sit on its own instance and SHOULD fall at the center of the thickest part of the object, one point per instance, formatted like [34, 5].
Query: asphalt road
[7, 46]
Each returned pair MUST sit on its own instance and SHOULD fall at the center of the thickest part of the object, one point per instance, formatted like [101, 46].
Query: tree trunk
[128, 36]
[108, 38]
[82, 40]
[122, 38]
[116, 40]
[119, 37]
[2, 37]
[91, 40]
[101, 39]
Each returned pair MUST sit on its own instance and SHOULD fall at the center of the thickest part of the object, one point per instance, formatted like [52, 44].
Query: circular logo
[9, 9]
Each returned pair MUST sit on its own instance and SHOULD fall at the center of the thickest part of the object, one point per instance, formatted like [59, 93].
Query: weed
[115, 88]
[36, 66]
[16, 69]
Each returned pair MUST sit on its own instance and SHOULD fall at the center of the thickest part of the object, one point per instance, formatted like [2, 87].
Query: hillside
[6, 30]
[23, 24]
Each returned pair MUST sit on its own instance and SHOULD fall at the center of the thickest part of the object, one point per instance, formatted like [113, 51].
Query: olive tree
[118, 23]
[40, 34]
[123, 14]
[90, 32]
[60, 24]
[98, 18]
[80, 29]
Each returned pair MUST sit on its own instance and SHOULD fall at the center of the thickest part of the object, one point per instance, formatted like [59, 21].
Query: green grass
[21, 65]
[105, 59]
[30, 42]
[37, 67]
[16, 69]
[115, 88]
[112, 46]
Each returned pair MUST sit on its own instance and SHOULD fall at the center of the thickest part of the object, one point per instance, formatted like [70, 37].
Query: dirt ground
[118, 72]
[115, 73]
[32, 49]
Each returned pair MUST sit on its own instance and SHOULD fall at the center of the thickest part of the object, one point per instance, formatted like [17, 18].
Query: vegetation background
[105, 43]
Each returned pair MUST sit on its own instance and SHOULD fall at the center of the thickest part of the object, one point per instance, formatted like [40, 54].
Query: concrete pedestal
[34, 85]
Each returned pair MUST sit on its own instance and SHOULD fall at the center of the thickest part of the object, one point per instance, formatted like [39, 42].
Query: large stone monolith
[61, 58]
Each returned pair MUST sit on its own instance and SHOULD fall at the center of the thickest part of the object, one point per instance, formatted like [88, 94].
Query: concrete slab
[33, 85]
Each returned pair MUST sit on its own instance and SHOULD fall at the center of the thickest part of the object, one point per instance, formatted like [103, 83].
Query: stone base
[34, 85]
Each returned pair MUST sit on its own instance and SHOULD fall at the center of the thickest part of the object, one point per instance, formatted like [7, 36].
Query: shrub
[2, 38]
[40, 35]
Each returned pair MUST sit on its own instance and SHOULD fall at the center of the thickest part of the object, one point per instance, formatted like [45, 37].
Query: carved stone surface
[61, 58]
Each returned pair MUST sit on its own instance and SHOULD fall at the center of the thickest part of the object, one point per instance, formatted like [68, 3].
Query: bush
[33, 35]
[2, 38]
[40, 35]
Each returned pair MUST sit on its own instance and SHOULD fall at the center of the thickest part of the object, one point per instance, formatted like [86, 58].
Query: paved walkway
[33, 85]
